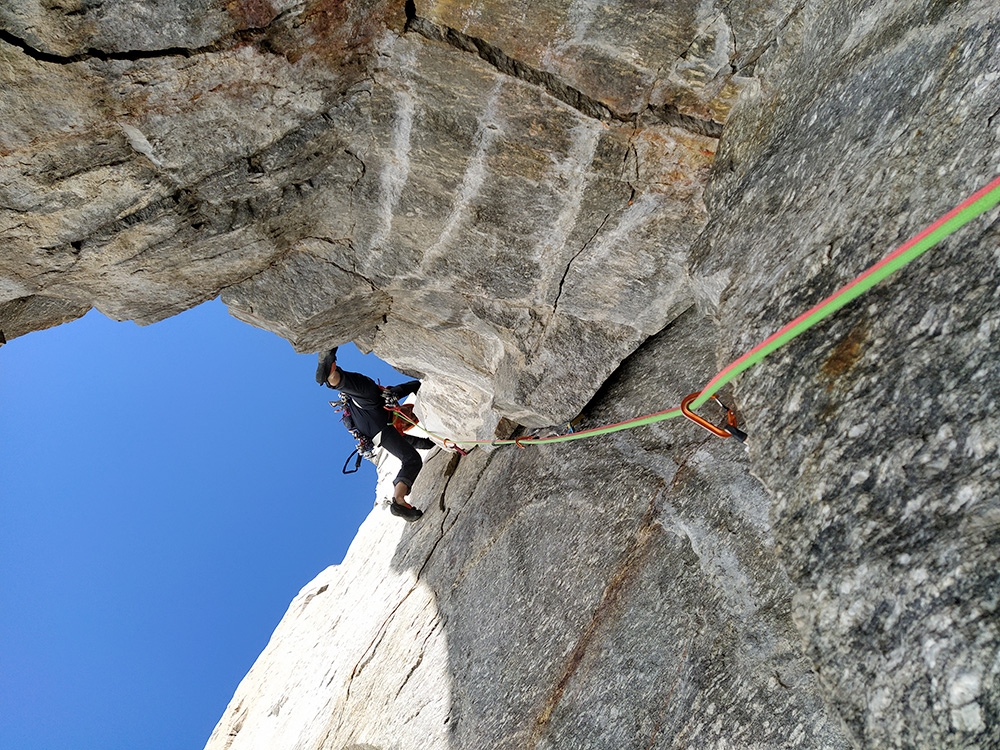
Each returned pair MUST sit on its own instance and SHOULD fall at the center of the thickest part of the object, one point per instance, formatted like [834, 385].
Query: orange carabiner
[454, 447]
[730, 430]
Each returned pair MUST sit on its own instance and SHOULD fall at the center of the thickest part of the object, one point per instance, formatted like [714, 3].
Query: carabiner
[730, 430]
[455, 447]
[357, 464]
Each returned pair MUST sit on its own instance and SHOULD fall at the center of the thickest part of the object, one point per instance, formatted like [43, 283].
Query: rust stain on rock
[341, 33]
[251, 14]
[845, 355]
[327, 19]
[631, 565]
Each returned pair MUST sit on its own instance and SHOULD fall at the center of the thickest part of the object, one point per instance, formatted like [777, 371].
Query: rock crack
[236, 39]
[586, 105]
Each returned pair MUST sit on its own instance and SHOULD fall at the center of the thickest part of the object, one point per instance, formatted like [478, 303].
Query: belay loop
[728, 430]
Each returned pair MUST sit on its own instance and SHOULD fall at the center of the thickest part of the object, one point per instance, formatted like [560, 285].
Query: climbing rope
[978, 203]
[975, 205]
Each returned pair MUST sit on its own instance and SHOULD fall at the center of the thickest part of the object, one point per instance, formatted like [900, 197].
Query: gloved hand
[326, 364]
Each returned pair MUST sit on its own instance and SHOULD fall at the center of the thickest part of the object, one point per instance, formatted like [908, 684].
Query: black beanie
[326, 363]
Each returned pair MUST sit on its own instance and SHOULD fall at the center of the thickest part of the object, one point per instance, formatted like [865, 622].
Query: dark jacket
[365, 401]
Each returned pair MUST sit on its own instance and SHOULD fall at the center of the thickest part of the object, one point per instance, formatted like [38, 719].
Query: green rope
[974, 206]
[955, 219]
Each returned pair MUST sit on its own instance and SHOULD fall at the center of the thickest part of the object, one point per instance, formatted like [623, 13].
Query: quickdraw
[364, 449]
[357, 464]
[729, 430]
[453, 446]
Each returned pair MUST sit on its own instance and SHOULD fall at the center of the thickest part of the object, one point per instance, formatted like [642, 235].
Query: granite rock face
[528, 205]
[621, 593]
[885, 481]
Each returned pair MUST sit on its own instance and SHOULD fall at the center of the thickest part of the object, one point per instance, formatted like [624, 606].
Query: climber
[374, 421]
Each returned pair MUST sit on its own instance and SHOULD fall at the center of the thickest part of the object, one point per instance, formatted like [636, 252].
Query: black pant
[404, 447]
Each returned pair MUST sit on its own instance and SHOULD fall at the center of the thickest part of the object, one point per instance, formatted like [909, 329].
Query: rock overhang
[502, 219]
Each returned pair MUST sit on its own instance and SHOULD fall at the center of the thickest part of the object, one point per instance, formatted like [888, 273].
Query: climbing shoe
[410, 514]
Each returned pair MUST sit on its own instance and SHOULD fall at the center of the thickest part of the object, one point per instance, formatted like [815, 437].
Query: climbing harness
[403, 418]
[365, 448]
[975, 205]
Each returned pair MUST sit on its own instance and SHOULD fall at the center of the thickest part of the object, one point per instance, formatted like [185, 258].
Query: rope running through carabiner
[975, 205]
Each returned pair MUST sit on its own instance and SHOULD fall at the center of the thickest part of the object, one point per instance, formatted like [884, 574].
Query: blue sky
[165, 493]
